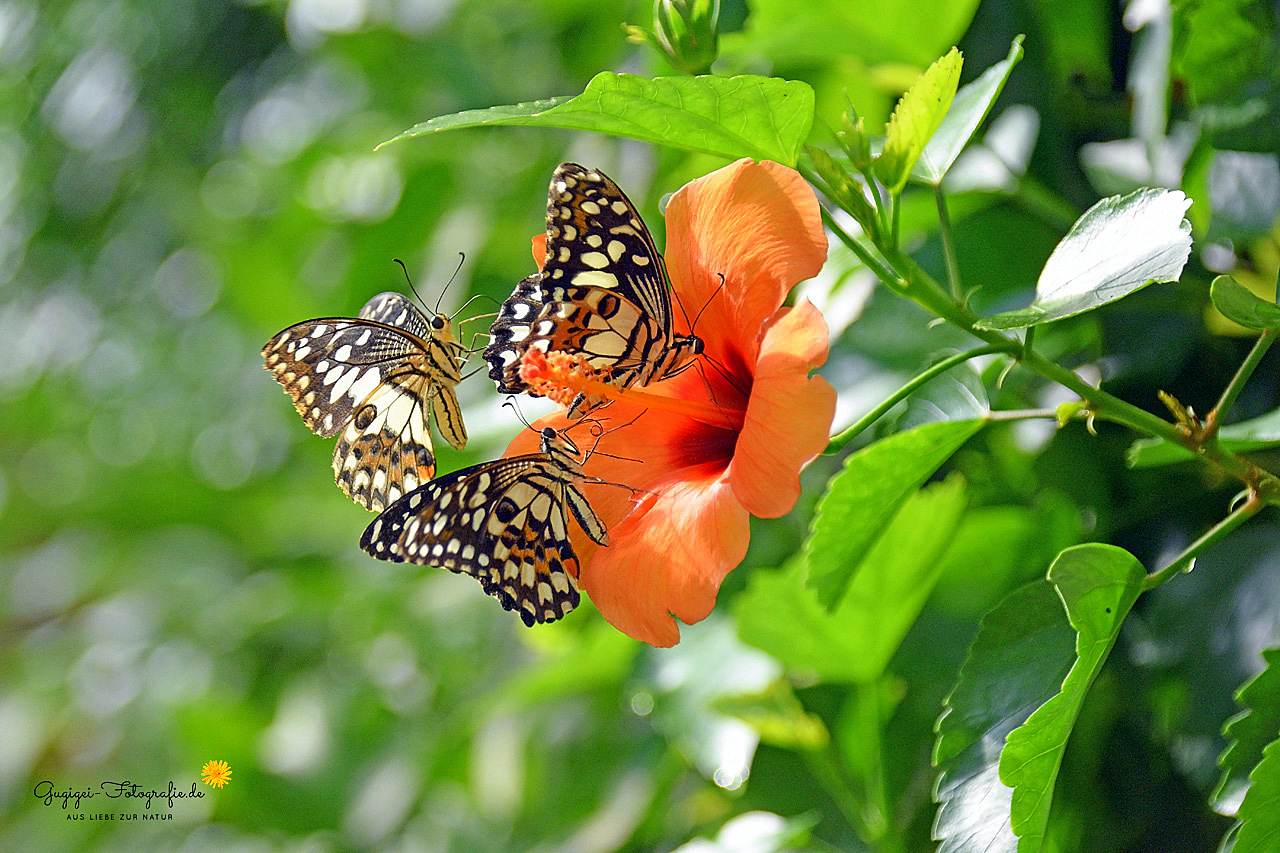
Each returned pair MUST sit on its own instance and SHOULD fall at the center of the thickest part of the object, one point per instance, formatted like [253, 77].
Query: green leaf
[863, 497]
[1260, 811]
[1225, 53]
[915, 119]
[1017, 661]
[876, 31]
[748, 116]
[1249, 732]
[957, 395]
[970, 107]
[976, 575]
[1239, 304]
[1120, 245]
[1260, 433]
[1098, 584]
[777, 717]
[779, 614]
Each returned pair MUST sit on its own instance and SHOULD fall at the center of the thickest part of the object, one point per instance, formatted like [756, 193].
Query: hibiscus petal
[540, 250]
[758, 225]
[789, 414]
[670, 557]
[640, 449]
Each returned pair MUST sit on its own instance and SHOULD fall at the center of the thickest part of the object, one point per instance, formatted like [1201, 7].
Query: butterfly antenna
[462, 259]
[680, 305]
[469, 301]
[633, 489]
[711, 394]
[511, 402]
[405, 270]
[728, 377]
[707, 304]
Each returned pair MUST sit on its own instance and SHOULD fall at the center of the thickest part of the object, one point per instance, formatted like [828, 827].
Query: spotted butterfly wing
[602, 292]
[505, 523]
[369, 380]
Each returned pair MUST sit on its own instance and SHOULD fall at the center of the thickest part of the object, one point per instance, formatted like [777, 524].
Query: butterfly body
[602, 292]
[503, 522]
[370, 380]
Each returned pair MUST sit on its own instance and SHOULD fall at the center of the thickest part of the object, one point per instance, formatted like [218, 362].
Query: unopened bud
[853, 139]
[685, 31]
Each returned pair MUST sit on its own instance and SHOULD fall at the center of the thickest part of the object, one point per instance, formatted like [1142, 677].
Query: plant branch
[948, 243]
[1185, 560]
[1102, 404]
[878, 198]
[1236, 385]
[871, 262]
[1110, 408]
[897, 219]
[1022, 414]
[903, 275]
[841, 440]
[922, 288]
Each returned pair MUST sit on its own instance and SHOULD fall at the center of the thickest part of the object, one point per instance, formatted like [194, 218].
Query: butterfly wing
[596, 238]
[602, 292]
[512, 334]
[393, 309]
[369, 381]
[444, 356]
[504, 523]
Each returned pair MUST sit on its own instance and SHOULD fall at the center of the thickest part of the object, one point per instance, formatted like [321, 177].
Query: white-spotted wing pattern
[370, 380]
[505, 523]
[602, 292]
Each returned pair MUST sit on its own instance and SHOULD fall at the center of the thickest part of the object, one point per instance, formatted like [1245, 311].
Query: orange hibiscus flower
[720, 442]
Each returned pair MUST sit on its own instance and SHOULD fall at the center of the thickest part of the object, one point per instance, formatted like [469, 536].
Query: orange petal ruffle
[758, 225]
[670, 556]
[788, 416]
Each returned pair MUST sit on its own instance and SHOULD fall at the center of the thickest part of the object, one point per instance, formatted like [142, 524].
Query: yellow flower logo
[215, 773]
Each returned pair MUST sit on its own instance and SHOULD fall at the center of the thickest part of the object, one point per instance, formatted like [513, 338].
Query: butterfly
[370, 380]
[602, 292]
[504, 522]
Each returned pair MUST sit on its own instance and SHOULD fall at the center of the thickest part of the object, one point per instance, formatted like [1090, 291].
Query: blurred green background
[180, 579]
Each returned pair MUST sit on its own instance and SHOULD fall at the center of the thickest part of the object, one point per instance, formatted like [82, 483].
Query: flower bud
[853, 139]
[845, 191]
[684, 31]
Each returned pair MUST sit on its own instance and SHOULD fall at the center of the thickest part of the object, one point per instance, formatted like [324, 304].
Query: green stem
[1102, 404]
[841, 440]
[896, 201]
[827, 771]
[948, 244]
[1022, 414]
[903, 275]
[1236, 385]
[879, 199]
[1186, 559]
[871, 262]
[1107, 407]
[921, 287]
